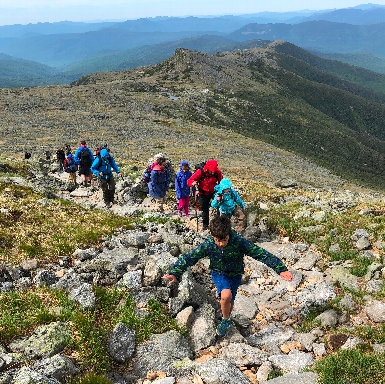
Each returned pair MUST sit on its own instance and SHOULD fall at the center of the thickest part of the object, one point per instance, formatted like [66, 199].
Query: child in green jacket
[226, 250]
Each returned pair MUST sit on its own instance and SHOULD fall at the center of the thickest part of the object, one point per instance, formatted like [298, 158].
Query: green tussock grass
[24, 311]
[35, 227]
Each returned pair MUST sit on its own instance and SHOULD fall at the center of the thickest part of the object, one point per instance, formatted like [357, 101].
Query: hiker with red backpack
[205, 178]
[84, 158]
[70, 167]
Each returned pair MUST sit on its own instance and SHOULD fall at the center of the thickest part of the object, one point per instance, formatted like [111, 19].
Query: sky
[34, 11]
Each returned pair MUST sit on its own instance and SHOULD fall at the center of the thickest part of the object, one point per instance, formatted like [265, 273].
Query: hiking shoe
[179, 213]
[223, 326]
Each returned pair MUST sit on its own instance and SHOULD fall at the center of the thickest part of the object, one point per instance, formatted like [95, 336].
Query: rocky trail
[267, 312]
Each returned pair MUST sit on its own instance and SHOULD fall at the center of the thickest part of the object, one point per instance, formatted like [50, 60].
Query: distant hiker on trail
[205, 179]
[85, 158]
[160, 182]
[226, 250]
[182, 190]
[60, 156]
[226, 198]
[70, 167]
[102, 167]
[67, 149]
[47, 155]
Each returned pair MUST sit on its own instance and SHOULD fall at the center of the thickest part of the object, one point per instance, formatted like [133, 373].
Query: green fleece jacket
[227, 261]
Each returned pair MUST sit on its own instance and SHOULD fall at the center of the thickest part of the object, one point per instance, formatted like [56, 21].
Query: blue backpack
[146, 177]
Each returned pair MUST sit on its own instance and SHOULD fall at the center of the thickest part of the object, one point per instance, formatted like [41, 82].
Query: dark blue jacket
[181, 187]
[160, 182]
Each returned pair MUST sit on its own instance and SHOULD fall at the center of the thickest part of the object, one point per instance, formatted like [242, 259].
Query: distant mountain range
[57, 53]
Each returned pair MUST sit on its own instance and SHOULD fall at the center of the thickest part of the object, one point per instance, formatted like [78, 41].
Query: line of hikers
[206, 184]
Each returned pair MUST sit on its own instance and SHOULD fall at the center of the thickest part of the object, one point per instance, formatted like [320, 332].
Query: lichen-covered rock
[46, 340]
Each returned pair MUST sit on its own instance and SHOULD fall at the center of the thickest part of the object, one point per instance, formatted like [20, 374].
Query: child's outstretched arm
[169, 277]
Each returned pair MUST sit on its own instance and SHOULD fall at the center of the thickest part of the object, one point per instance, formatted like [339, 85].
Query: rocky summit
[268, 313]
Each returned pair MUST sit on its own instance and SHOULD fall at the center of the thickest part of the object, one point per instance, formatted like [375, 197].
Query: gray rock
[335, 248]
[189, 293]
[378, 348]
[121, 343]
[45, 278]
[344, 277]
[352, 343]
[376, 311]
[299, 378]
[116, 261]
[242, 354]
[132, 279]
[7, 361]
[295, 362]
[372, 269]
[327, 319]
[271, 335]
[286, 183]
[319, 216]
[28, 376]
[69, 281]
[23, 283]
[46, 341]
[363, 243]
[58, 367]
[306, 339]
[307, 262]
[314, 294]
[319, 349]
[264, 371]
[359, 233]
[134, 238]
[85, 254]
[202, 332]
[166, 380]
[373, 286]
[220, 371]
[84, 295]
[160, 352]
[347, 302]
[245, 308]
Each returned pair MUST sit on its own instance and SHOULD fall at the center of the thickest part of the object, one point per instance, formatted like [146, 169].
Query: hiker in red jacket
[205, 179]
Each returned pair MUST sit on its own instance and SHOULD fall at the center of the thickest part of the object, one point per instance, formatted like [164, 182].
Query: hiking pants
[183, 204]
[204, 203]
[108, 188]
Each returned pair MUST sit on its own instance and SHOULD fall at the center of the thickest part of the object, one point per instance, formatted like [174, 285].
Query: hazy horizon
[35, 11]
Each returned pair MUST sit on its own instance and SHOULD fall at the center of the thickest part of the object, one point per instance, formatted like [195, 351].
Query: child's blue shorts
[225, 282]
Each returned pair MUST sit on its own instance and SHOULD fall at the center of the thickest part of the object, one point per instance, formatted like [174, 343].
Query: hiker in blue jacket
[226, 198]
[102, 167]
[182, 190]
